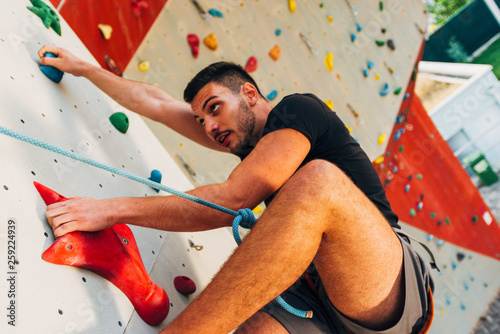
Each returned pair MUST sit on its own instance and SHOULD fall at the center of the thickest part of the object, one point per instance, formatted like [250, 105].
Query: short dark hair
[227, 74]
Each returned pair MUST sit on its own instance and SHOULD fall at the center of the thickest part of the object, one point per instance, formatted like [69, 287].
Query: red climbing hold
[113, 254]
[184, 285]
[138, 7]
[194, 44]
[251, 64]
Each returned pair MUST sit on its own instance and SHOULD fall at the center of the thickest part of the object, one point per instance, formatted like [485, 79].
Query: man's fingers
[65, 228]
[48, 48]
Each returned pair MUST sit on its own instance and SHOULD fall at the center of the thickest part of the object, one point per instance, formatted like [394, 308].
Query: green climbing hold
[414, 74]
[475, 218]
[379, 43]
[419, 176]
[381, 5]
[447, 220]
[401, 148]
[413, 213]
[407, 111]
[48, 15]
[398, 90]
[433, 215]
[119, 121]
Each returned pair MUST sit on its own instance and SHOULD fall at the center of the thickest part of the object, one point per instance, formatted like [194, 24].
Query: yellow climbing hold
[381, 139]
[348, 128]
[329, 103]
[329, 61]
[377, 77]
[211, 41]
[106, 30]
[379, 160]
[292, 6]
[329, 19]
[258, 209]
[143, 65]
[275, 52]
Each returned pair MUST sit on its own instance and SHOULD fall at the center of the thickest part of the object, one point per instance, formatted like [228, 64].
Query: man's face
[226, 117]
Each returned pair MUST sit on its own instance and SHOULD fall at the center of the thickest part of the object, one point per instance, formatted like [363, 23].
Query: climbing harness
[244, 217]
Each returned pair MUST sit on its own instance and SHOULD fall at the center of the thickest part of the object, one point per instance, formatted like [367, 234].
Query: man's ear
[250, 92]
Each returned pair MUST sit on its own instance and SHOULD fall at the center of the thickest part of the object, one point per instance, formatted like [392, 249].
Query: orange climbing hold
[113, 254]
[275, 52]
[211, 41]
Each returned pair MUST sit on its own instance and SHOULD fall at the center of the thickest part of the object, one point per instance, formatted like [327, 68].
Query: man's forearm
[172, 213]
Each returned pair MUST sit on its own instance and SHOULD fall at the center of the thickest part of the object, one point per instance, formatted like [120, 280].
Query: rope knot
[246, 219]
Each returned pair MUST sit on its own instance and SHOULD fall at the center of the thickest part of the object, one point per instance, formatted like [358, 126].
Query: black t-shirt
[331, 141]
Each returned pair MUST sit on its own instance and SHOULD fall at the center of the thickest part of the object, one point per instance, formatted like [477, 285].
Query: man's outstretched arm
[142, 98]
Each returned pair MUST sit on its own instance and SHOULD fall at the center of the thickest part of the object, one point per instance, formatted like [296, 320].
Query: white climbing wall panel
[74, 115]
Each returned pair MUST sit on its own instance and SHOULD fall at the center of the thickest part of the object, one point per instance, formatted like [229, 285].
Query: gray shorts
[417, 314]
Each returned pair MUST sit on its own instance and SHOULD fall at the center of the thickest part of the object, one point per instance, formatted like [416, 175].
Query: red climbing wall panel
[128, 30]
[55, 2]
[420, 167]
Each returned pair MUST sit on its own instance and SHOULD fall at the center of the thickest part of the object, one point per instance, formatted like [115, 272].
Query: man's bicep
[273, 161]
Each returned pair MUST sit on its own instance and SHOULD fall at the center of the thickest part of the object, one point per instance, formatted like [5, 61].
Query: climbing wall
[74, 115]
[128, 20]
[253, 28]
[434, 196]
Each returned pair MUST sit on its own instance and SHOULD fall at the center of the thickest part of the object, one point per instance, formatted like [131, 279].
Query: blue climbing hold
[448, 302]
[430, 237]
[420, 205]
[395, 169]
[385, 90]
[407, 188]
[277, 32]
[462, 307]
[397, 135]
[454, 265]
[353, 37]
[50, 71]
[399, 119]
[365, 73]
[407, 95]
[359, 27]
[155, 177]
[370, 65]
[271, 96]
[215, 12]
[440, 242]
[466, 287]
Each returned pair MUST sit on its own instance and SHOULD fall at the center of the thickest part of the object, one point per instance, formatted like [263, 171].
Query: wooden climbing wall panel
[74, 115]
[428, 187]
[248, 28]
[128, 29]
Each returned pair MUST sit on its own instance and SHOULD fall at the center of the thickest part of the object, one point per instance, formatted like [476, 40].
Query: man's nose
[211, 126]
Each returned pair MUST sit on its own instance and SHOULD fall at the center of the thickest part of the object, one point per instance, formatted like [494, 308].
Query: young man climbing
[328, 241]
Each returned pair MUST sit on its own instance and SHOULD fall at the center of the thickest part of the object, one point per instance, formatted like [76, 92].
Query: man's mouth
[223, 139]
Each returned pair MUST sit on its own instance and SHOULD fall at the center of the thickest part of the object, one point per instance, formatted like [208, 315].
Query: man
[329, 214]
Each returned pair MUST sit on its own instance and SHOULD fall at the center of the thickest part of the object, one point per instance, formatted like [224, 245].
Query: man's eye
[201, 121]
[214, 107]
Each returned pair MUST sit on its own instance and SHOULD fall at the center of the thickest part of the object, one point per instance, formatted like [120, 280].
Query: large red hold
[113, 254]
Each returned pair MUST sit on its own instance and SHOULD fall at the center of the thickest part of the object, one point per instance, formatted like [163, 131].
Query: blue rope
[244, 217]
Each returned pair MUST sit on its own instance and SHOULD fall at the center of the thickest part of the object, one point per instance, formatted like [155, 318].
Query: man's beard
[246, 127]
